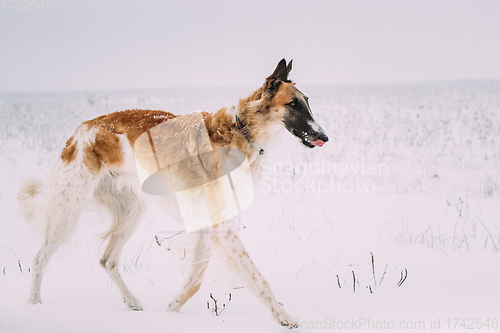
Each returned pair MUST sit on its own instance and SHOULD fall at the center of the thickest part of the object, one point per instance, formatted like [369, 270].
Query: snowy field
[409, 179]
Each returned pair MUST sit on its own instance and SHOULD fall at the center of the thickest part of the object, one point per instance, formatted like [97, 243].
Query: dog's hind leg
[200, 263]
[126, 209]
[61, 217]
[52, 241]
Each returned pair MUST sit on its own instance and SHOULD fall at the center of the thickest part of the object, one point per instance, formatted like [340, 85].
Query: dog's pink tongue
[318, 143]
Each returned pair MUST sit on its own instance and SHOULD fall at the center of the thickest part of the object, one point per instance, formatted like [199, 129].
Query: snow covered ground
[411, 175]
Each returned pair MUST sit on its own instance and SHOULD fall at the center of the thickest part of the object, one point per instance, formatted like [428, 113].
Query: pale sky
[93, 45]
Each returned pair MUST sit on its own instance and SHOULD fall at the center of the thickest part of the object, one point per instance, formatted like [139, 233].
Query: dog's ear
[279, 75]
[282, 70]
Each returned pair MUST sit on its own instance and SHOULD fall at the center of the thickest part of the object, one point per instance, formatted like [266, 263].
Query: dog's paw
[35, 299]
[290, 323]
[174, 306]
[284, 319]
[135, 307]
[133, 304]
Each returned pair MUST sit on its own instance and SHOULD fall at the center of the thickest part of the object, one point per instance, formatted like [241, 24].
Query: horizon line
[337, 84]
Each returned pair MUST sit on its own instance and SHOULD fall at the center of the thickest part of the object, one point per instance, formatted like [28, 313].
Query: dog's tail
[28, 198]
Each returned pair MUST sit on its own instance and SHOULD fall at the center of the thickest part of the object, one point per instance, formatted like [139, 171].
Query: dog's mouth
[317, 143]
[312, 144]
[310, 138]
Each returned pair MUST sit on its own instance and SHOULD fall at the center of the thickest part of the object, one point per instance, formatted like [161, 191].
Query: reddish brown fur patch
[284, 95]
[223, 131]
[68, 154]
[132, 123]
[105, 150]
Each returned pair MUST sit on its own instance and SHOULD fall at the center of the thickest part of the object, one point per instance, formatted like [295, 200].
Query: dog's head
[286, 104]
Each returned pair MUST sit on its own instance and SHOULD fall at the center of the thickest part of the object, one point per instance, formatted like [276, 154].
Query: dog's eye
[292, 104]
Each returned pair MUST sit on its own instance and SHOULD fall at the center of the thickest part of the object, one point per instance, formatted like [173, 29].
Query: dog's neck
[238, 126]
[246, 132]
[248, 114]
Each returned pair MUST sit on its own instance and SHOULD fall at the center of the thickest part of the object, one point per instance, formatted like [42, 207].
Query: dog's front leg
[225, 235]
[200, 263]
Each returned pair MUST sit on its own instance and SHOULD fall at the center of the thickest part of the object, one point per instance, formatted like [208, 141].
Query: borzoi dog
[98, 165]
